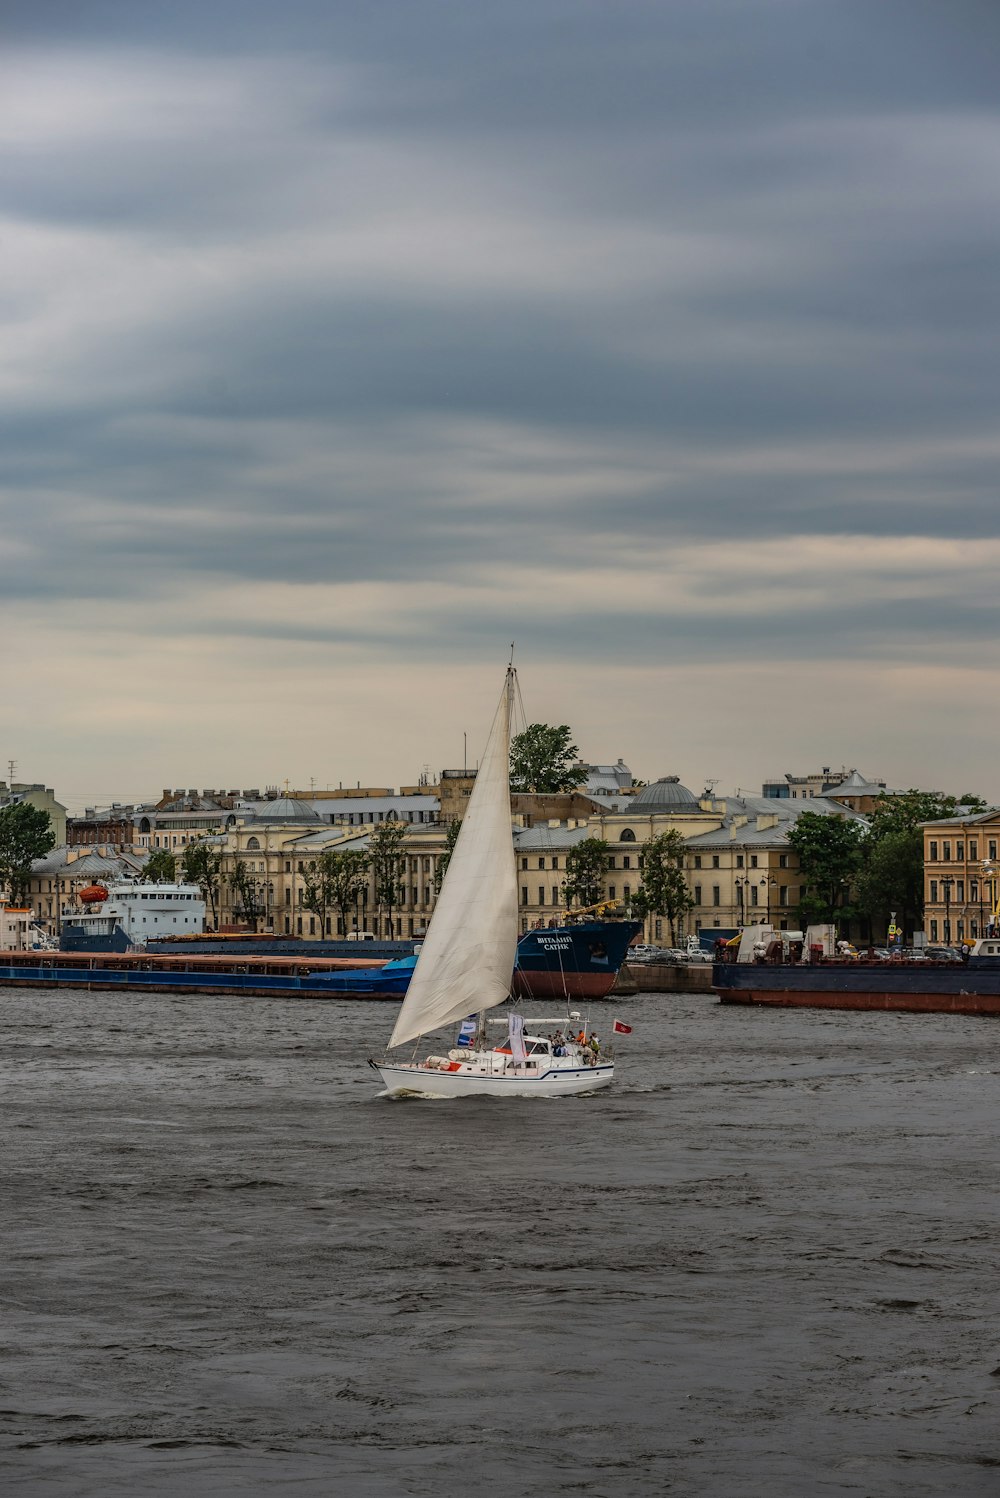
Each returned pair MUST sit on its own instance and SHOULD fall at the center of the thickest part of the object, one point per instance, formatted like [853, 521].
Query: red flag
[620, 1029]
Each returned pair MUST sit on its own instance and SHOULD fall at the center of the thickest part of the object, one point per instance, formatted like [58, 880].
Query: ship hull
[416, 1080]
[572, 962]
[910, 989]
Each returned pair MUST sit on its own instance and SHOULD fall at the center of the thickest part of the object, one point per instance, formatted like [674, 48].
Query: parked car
[641, 951]
[943, 954]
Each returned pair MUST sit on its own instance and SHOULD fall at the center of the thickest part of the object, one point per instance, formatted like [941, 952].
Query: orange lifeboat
[93, 894]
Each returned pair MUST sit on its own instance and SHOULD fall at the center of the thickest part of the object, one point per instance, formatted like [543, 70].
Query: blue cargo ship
[568, 962]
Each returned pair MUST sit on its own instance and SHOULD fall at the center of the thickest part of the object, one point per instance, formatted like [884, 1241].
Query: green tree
[160, 865]
[25, 834]
[830, 857]
[892, 878]
[348, 874]
[334, 881]
[542, 760]
[585, 868]
[385, 852]
[450, 839]
[247, 902]
[906, 811]
[202, 865]
[664, 890]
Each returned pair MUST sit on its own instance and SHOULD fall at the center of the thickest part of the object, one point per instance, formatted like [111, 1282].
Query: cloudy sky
[345, 342]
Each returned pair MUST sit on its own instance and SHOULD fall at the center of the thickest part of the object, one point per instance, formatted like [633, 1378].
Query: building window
[716, 895]
[992, 847]
[541, 863]
[739, 860]
[934, 891]
[973, 848]
[524, 863]
[960, 890]
[715, 860]
[627, 835]
[947, 851]
[934, 930]
[753, 894]
[524, 894]
[555, 894]
[973, 889]
[697, 894]
[541, 894]
[626, 862]
[253, 843]
[782, 894]
[627, 892]
[960, 851]
[753, 860]
[697, 860]
[782, 860]
[933, 852]
[611, 892]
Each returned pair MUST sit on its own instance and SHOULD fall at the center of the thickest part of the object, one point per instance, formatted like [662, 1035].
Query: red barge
[788, 974]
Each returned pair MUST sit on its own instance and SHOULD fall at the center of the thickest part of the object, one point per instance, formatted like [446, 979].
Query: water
[764, 1263]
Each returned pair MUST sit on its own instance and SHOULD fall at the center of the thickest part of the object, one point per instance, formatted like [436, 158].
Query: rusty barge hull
[952, 989]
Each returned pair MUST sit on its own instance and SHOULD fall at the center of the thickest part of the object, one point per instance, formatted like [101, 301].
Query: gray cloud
[360, 295]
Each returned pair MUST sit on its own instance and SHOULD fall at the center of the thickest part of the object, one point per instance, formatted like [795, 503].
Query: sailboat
[466, 964]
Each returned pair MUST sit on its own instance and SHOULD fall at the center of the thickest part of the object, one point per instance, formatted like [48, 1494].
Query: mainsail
[468, 955]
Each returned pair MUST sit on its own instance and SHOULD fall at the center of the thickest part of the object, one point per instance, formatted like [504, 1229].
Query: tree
[202, 865]
[585, 868]
[160, 865]
[25, 834]
[348, 880]
[542, 760]
[664, 889]
[892, 878]
[244, 887]
[906, 811]
[334, 881]
[830, 857]
[450, 839]
[385, 851]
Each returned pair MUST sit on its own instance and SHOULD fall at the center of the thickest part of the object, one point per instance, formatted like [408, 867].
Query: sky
[345, 343]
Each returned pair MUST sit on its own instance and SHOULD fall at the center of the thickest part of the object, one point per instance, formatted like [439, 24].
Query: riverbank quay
[668, 977]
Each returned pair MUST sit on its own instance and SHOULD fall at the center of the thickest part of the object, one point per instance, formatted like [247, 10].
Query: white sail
[468, 955]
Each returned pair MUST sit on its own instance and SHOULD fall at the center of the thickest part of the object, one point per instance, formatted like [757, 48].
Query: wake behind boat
[467, 960]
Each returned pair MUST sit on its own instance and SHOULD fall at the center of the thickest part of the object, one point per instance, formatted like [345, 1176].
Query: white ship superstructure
[132, 914]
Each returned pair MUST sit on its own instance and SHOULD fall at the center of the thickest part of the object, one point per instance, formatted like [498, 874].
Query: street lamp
[946, 885]
[739, 881]
[767, 884]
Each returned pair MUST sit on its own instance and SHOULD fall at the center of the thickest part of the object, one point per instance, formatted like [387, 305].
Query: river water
[765, 1263]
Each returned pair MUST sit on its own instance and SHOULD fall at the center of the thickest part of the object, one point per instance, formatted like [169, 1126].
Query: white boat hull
[418, 1079]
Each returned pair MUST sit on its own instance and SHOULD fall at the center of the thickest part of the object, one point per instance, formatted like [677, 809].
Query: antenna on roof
[710, 784]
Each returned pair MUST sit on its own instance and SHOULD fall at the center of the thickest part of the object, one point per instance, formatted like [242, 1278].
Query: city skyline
[344, 346]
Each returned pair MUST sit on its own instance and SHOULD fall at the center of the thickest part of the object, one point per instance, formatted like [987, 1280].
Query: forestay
[468, 954]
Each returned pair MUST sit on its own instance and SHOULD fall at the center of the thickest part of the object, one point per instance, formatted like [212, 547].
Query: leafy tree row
[855, 871]
[663, 890]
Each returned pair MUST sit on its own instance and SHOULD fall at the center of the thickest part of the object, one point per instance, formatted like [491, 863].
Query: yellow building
[961, 876]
